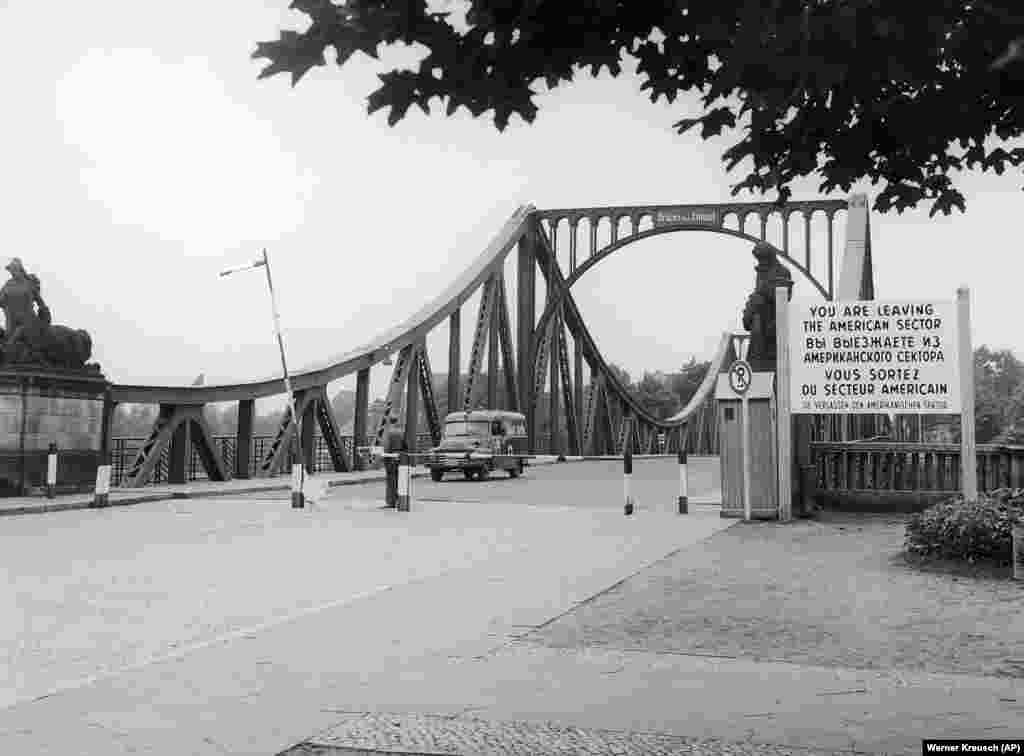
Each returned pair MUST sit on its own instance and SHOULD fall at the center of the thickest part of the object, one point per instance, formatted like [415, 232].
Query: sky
[140, 155]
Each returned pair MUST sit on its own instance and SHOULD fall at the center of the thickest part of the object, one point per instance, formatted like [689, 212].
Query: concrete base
[39, 407]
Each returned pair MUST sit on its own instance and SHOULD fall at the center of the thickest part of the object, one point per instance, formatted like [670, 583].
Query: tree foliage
[843, 90]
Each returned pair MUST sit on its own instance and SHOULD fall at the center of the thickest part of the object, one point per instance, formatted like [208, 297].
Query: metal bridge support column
[412, 404]
[578, 387]
[359, 422]
[554, 444]
[307, 438]
[454, 358]
[243, 439]
[526, 297]
[492, 352]
[179, 454]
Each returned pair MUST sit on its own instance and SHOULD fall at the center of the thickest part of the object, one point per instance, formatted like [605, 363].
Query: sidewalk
[119, 497]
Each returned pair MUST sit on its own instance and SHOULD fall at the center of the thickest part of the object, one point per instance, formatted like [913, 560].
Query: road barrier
[627, 473]
[298, 498]
[102, 496]
[51, 471]
[683, 483]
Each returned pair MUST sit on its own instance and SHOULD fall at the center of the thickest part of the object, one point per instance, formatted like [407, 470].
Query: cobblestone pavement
[831, 592]
[412, 735]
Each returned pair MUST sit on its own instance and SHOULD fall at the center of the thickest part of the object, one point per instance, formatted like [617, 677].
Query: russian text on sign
[854, 357]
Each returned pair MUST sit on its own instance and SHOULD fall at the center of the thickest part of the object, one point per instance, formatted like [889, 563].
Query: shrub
[968, 531]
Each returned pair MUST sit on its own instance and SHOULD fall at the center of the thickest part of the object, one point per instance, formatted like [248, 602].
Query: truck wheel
[468, 474]
[436, 475]
[483, 474]
[515, 472]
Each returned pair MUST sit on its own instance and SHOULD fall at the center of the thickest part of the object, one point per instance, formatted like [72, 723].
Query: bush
[977, 531]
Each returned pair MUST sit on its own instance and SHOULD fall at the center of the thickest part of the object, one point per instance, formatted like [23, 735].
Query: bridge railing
[124, 449]
[927, 472]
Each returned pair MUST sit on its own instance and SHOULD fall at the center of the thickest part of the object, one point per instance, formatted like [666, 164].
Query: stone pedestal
[39, 407]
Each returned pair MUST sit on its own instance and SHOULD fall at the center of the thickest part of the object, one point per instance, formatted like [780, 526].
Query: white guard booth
[747, 447]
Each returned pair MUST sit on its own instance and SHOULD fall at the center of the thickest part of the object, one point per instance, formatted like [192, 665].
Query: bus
[478, 442]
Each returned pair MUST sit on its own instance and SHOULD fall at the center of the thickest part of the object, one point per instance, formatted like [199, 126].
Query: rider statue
[19, 298]
[759, 313]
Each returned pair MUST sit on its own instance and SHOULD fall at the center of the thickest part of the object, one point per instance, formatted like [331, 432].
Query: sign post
[783, 418]
[740, 378]
[968, 450]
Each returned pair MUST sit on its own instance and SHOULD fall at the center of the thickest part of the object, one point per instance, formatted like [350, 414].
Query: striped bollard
[404, 482]
[298, 499]
[627, 473]
[684, 500]
[102, 496]
[51, 471]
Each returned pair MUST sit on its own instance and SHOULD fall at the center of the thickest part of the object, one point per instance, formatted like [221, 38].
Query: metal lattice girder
[567, 395]
[427, 392]
[483, 326]
[544, 352]
[394, 401]
[588, 417]
[508, 355]
[330, 431]
[276, 454]
[168, 419]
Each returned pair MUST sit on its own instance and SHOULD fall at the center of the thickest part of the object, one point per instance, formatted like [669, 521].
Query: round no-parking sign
[739, 376]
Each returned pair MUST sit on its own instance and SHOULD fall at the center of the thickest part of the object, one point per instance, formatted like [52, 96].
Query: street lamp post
[264, 262]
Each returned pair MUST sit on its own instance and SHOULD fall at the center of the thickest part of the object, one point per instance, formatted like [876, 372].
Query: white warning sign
[874, 357]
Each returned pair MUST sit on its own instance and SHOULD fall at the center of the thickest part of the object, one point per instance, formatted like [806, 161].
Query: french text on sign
[874, 357]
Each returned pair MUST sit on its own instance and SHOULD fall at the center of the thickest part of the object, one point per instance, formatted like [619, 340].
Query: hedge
[968, 531]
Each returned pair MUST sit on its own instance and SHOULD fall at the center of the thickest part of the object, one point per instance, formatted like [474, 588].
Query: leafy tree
[998, 393]
[839, 89]
[654, 395]
[686, 382]
[621, 374]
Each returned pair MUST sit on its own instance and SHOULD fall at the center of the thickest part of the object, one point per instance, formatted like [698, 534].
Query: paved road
[93, 593]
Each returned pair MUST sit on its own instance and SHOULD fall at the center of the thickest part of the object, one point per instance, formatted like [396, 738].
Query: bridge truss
[588, 407]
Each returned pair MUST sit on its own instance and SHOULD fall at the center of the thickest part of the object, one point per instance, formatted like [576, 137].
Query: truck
[478, 442]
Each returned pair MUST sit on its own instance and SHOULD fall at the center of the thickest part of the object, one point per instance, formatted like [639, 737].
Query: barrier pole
[101, 498]
[298, 498]
[51, 471]
[404, 480]
[627, 470]
[683, 482]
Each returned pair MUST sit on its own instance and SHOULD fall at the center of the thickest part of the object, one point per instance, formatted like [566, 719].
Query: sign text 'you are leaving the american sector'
[874, 357]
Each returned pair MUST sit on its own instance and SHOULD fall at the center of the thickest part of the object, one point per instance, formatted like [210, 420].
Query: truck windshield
[478, 428]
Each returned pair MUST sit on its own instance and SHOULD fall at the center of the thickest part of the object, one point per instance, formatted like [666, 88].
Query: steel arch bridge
[593, 414]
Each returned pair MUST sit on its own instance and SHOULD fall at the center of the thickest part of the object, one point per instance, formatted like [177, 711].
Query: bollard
[390, 480]
[684, 500]
[627, 473]
[298, 498]
[102, 496]
[1017, 534]
[404, 482]
[51, 471]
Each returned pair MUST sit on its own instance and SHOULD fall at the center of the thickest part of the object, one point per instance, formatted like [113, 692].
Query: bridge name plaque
[874, 357]
[703, 217]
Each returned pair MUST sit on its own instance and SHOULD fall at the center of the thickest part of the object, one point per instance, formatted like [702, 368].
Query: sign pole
[784, 422]
[745, 415]
[968, 450]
